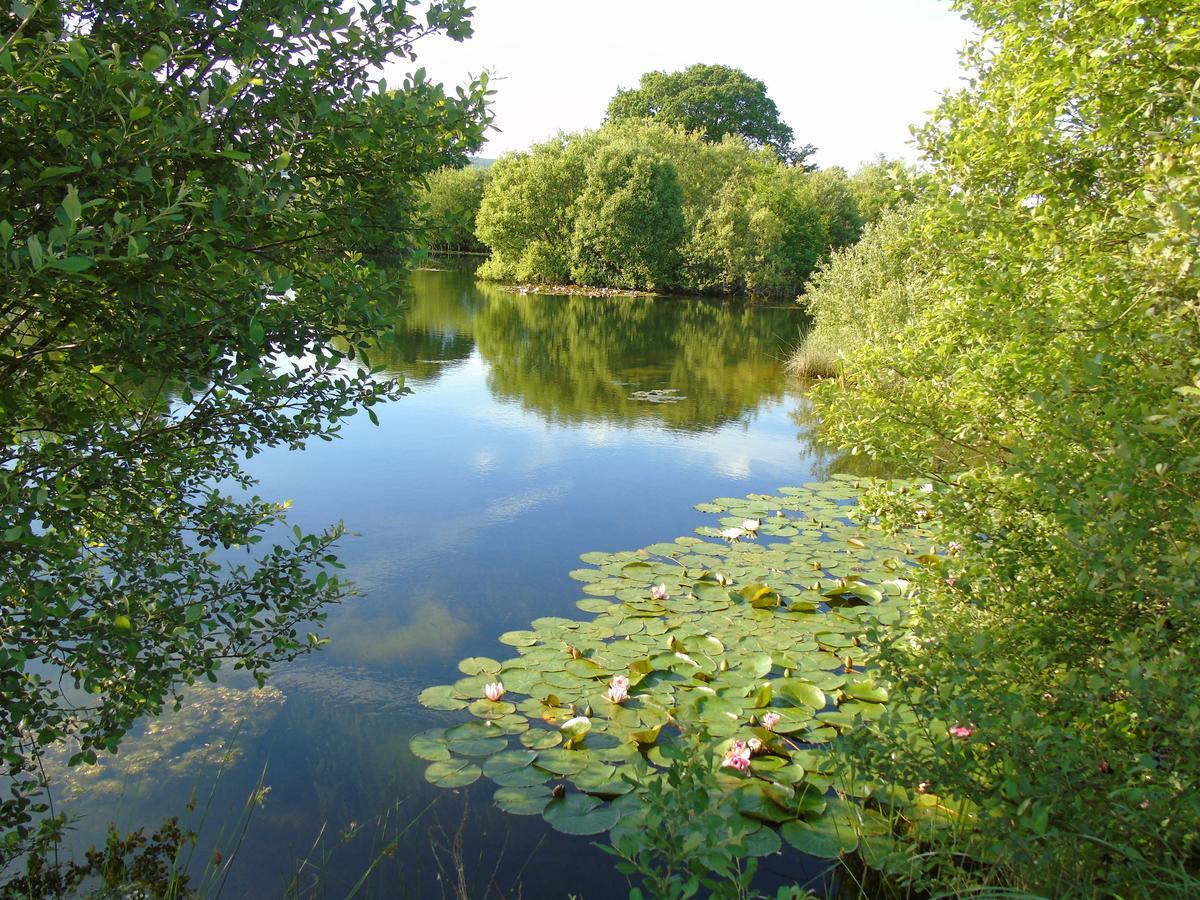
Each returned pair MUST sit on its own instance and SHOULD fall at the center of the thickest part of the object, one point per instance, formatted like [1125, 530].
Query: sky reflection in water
[522, 446]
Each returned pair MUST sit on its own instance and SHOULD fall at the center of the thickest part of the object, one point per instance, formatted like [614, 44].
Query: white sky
[849, 76]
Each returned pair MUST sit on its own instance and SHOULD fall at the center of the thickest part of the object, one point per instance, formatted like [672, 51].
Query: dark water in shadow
[525, 443]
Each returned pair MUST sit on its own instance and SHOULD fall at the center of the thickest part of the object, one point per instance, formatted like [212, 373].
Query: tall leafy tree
[715, 100]
[179, 184]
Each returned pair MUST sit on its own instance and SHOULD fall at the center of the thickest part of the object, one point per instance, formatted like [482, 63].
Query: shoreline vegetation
[574, 290]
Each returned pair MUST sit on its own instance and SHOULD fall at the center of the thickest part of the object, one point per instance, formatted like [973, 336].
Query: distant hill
[480, 162]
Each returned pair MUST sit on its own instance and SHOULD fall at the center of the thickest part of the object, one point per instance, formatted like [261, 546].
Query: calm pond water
[523, 444]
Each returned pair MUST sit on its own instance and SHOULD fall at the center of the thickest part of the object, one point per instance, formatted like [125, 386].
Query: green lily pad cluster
[764, 623]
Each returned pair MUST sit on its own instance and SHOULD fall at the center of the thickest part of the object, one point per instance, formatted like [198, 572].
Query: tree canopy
[645, 205]
[179, 186]
[714, 100]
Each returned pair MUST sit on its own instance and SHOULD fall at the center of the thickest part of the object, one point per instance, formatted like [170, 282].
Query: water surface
[538, 428]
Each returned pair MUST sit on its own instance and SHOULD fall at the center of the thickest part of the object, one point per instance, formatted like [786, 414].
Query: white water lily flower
[732, 534]
[751, 525]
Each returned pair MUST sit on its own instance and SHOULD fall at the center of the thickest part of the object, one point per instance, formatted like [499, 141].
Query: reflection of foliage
[132, 865]
[578, 358]
[434, 330]
[825, 460]
[210, 724]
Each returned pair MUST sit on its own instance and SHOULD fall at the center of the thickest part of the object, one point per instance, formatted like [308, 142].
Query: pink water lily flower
[494, 691]
[962, 731]
[659, 592]
[740, 763]
[737, 756]
[618, 689]
[770, 720]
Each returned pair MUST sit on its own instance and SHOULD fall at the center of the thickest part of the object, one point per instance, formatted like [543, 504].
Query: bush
[451, 204]
[1042, 372]
[629, 222]
[862, 294]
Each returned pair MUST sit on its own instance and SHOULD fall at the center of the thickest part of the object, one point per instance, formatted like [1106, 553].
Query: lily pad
[825, 837]
[430, 745]
[523, 801]
[479, 665]
[580, 814]
[454, 773]
[441, 697]
[785, 584]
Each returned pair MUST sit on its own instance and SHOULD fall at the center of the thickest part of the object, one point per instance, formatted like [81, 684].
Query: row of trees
[693, 184]
[1025, 337]
[646, 205]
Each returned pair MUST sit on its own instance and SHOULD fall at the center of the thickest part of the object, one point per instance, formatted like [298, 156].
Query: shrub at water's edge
[449, 206]
[862, 294]
[1037, 347]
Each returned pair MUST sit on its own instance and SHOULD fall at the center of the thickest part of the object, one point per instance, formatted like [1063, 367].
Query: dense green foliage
[714, 100]
[450, 204]
[1047, 378]
[649, 206]
[862, 293]
[884, 184]
[174, 179]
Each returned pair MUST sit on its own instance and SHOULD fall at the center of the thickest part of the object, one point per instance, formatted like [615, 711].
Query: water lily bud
[558, 792]
[587, 710]
[787, 673]
[724, 667]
